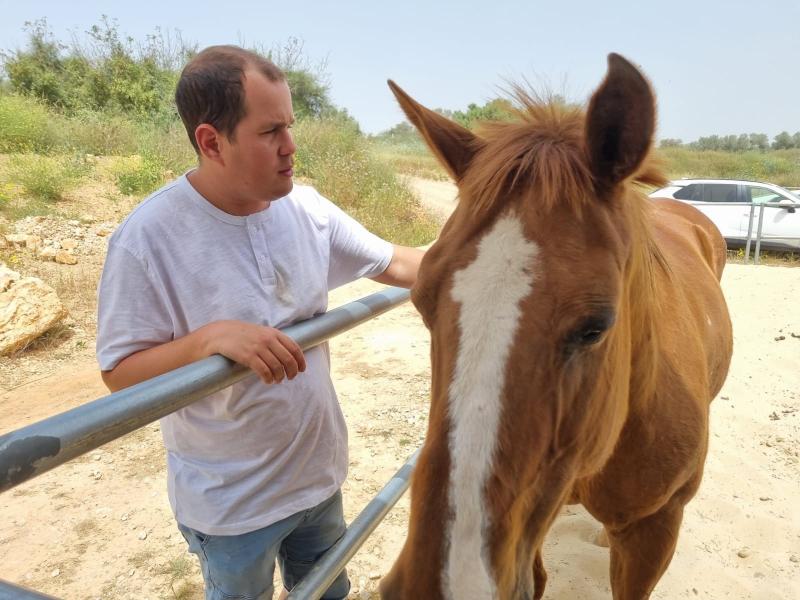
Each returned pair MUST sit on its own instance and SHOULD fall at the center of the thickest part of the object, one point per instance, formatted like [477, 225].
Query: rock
[17, 239]
[143, 535]
[69, 244]
[104, 231]
[4, 243]
[65, 257]
[55, 573]
[33, 242]
[794, 558]
[374, 575]
[764, 498]
[7, 277]
[744, 552]
[28, 308]
[779, 338]
[47, 253]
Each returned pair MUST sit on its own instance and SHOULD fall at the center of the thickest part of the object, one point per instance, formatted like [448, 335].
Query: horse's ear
[453, 145]
[620, 123]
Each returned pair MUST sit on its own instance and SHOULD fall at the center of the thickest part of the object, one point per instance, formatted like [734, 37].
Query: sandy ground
[100, 526]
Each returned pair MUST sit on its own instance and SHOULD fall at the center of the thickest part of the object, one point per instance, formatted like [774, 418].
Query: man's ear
[209, 142]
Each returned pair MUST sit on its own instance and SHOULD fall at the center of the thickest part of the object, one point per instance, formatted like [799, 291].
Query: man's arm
[403, 268]
[270, 353]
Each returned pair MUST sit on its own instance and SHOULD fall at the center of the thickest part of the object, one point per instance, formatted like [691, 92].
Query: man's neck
[221, 196]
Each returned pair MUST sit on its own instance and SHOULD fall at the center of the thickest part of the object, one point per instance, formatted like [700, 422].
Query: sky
[717, 67]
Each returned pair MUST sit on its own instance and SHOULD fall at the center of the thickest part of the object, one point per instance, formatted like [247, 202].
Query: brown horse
[579, 333]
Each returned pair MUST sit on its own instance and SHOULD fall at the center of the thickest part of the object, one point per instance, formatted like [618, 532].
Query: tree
[759, 141]
[783, 141]
[107, 72]
[711, 142]
[498, 109]
[670, 143]
[309, 95]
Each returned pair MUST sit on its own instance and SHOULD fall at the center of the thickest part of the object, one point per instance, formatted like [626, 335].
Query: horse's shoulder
[676, 218]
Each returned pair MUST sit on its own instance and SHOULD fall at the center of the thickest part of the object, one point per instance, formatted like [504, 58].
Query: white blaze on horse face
[489, 291]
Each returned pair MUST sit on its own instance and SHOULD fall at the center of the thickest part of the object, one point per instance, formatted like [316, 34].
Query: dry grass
[782, 259]
[85, 527]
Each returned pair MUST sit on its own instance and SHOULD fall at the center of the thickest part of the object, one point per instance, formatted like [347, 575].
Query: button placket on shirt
[258, 243]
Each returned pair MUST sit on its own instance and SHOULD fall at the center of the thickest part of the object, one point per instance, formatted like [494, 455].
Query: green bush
[168, 144]
[46, 178]
[99, 133]
[333, 154]
[25, 125]
[138, 174]
[108, 74]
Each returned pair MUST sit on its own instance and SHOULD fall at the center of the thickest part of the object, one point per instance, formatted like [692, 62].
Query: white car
[727, 203]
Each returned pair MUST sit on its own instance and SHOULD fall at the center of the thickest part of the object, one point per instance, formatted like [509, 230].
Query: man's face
[258, 161]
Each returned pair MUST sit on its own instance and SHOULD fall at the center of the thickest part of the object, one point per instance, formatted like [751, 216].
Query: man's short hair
[211, 88]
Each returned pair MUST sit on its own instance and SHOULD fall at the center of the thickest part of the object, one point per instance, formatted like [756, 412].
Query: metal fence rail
[37, 448]
[9, 591]
[334, 561]
[760, 227]
[30, 451]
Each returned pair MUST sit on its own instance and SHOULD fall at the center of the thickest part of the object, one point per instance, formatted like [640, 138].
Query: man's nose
[288, 147]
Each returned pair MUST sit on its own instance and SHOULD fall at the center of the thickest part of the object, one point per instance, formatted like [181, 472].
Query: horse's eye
[590, 336]
[590, 331]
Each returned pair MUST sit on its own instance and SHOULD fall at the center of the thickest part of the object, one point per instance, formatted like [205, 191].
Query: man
[216, 262]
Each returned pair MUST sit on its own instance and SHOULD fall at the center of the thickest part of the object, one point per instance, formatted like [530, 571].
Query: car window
[762, 195]
[720, 192]
[693, 192]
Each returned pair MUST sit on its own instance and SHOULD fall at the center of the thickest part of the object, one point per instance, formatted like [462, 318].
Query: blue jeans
[242, 566]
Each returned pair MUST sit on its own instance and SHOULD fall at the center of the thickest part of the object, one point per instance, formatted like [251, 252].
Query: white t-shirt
[252, 454]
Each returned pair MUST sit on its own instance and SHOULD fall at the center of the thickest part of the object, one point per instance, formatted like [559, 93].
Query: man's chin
[283, 191]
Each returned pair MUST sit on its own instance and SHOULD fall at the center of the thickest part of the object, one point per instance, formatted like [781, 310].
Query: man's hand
[267, 351]
[270, 353]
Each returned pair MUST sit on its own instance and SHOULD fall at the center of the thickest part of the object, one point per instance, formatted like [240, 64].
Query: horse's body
[578, 333]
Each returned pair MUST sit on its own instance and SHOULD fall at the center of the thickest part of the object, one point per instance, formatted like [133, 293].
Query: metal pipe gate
[37, 448]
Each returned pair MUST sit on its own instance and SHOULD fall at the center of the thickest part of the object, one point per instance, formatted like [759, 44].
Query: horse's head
[526, 297]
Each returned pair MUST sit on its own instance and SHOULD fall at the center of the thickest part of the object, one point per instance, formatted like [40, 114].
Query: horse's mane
[542, 148]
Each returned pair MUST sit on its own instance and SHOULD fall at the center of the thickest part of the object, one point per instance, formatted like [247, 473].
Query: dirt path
[438, 196]
[100, 526]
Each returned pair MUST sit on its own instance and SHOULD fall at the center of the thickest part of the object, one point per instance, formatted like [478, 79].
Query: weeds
[46, 178]
[338, 160]
[138, 174]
